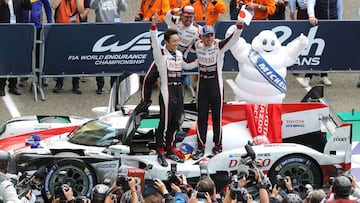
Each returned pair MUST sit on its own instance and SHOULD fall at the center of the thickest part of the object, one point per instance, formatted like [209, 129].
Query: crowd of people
[241, 187]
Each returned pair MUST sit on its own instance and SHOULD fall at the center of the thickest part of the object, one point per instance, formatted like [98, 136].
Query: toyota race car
[15, 132]
[312, 141]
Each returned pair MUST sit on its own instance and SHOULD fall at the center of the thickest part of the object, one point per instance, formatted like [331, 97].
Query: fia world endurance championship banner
[100, 49]
[97, 49]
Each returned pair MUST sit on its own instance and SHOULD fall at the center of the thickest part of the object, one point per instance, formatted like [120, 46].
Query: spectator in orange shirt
[262, 8]
[178, 3]
[149, 7]
[212, 11]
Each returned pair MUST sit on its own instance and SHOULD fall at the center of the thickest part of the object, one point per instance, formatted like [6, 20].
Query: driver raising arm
[210, 55]
[169, 63]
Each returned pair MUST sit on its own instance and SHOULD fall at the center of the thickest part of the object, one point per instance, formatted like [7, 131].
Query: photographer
[236, 188]
[341, 189]
[206, 191]
[7, 188]
[167, 197]
[131, 195]
[66, 195]
[281, 188]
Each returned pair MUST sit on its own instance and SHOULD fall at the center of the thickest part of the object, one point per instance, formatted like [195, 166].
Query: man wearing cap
[169, 63]
[210, 55]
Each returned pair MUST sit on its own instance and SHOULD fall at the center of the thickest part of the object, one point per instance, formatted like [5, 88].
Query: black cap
[342, 186]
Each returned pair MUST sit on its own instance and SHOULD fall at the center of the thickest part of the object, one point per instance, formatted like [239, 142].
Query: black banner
[17, 43]
[108, 49]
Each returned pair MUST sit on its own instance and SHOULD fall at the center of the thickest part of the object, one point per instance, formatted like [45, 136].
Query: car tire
[300, 168]
[79, 176]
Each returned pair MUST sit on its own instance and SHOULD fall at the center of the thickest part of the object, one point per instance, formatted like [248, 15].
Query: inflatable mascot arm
[239, 47]
[294, 48]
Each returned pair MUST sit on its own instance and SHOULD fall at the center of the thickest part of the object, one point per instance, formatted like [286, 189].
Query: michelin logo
[139, 43]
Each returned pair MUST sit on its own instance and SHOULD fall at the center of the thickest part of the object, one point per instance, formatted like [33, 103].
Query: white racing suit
[210, 86]
[188, 36]
[169, 67]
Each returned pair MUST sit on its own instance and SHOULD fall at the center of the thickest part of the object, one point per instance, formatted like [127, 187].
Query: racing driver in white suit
[169, 62]
[210, 55]
[188, 33]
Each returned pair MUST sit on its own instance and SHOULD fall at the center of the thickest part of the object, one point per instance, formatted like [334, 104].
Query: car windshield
[95, 133]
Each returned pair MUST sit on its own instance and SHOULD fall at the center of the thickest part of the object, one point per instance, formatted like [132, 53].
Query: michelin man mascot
[263, 65]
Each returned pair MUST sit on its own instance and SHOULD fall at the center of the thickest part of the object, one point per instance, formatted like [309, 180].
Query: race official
[210, 55]
[169, 64]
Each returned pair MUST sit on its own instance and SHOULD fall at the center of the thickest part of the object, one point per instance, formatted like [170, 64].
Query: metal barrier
[17, 52]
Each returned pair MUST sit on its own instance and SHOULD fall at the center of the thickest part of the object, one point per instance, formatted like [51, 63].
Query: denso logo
[286, 32]
[140, 43]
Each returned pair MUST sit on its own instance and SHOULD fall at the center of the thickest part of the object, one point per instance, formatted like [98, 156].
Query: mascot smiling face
[266, 42]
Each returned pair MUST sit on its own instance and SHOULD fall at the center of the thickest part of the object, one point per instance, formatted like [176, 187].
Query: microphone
[249, 152]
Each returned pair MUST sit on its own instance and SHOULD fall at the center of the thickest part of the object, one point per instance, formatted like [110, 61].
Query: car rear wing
[124, 87]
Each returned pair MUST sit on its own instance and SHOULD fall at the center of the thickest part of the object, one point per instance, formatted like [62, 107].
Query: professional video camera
[236, 192]
[247, 168]
[31, 182]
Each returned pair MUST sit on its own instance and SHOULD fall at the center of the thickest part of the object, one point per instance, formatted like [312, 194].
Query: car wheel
[301, 169]
[73, 172]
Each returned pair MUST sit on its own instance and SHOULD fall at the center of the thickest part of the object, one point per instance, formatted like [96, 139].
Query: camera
[30, 182]
[172, 175]
[280, 182]
[59, 193]
[236, 192]
[248, 166]
[58, 189]
[122, 180]
[201, 195]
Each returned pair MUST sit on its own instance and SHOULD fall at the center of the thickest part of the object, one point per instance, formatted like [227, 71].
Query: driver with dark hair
[7, 188]
[169, 63]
